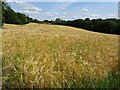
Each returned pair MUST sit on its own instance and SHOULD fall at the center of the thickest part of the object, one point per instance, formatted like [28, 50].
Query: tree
[23, 18]
[87, 23]
[59, 21]
[12, 17]
[9, 15]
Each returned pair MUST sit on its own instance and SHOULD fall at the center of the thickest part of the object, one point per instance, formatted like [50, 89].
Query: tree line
[110, 26]
[11, 17]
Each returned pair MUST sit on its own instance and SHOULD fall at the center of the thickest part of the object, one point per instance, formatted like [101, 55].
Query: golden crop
[40, 55]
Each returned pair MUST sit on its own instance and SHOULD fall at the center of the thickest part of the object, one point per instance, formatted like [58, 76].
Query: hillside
[40, 55]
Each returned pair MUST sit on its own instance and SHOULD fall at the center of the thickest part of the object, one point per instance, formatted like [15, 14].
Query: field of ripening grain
[52, 56]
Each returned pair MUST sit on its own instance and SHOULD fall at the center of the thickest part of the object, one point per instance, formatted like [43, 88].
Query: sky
[66, 10]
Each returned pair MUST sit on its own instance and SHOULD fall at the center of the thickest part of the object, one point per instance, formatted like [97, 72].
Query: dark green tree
[12, 17]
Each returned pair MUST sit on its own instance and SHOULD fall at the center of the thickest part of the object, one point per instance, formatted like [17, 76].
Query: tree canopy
[11, 17]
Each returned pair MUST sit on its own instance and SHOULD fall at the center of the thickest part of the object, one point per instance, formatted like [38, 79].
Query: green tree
[59, 21]
[12, 17]
[23, 18]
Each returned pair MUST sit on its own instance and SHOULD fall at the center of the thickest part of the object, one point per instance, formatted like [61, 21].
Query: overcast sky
[66, 10]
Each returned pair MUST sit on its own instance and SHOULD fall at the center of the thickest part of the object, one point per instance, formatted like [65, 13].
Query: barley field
[55, 56]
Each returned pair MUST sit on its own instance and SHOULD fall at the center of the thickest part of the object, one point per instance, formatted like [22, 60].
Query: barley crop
[51, 56]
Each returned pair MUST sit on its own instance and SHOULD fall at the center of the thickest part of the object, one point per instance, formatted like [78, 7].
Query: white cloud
[63, 17]
[75, 17]
[29, 12]
[84, 10]
[62, 8]
[24, 6]
[49, 14]
[94, 15]
[36, 8]
[32, 9]
[26, 11]
[111, 15]
[19, 1]
[64, 13]
[56, 13]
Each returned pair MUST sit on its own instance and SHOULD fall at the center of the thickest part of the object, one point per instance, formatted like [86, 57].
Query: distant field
[52, 56]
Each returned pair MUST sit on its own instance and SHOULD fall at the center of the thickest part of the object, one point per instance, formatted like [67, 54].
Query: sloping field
[52, 56]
